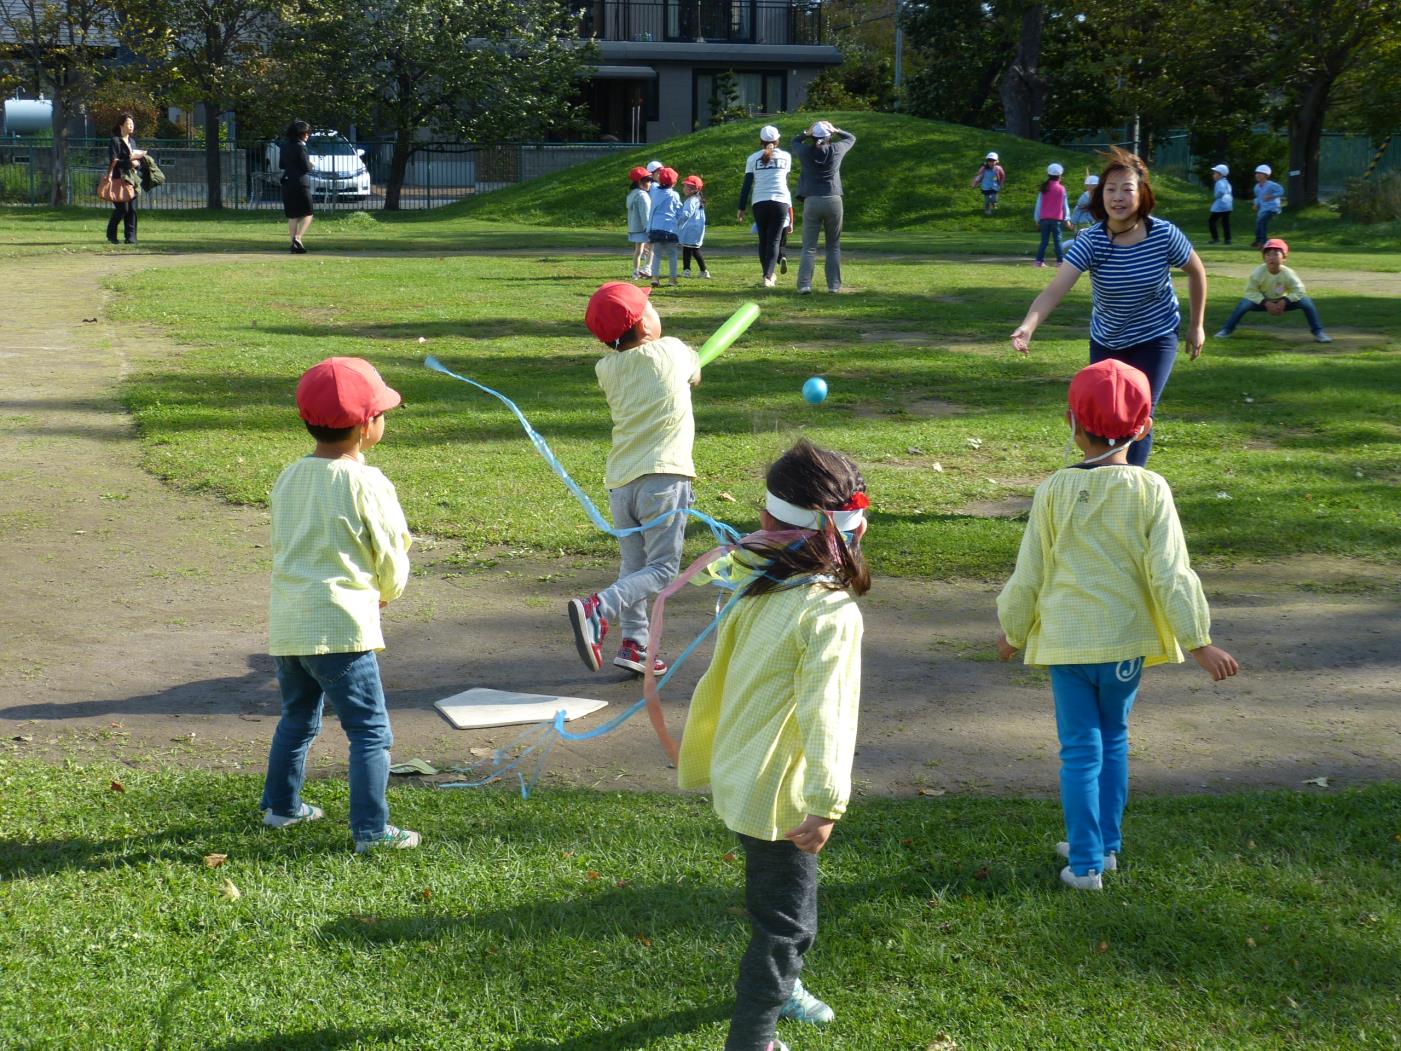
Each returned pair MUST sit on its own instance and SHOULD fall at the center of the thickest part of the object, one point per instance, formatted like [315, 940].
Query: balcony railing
[704, 21]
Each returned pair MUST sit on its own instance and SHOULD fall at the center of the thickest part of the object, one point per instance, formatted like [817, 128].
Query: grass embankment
[615, 923]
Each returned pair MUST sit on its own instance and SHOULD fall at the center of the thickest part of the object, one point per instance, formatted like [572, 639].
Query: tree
[205, 51]
[476, 70]
[1022, 88]
[961, 47]
[724, 101]
[60, 45]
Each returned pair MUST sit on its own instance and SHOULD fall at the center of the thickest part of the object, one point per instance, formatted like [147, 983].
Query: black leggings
[123, 212]
[771, 218]
[1225, 220]
[687, 254]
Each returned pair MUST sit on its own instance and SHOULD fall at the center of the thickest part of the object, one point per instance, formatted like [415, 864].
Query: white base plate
[481, 707]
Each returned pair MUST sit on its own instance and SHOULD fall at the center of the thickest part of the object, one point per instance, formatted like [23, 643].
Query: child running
[1274, 288]
[1051, 211]
[691, 226]
[989, 178]
[647, 379]
[772, 725]
[340, 552]
[1103, 587]
[666, 214]
[639, 214]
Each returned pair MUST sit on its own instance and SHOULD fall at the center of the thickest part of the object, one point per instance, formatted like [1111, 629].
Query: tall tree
[60, 45]
[960, 48]
[205, 51]
[1022, 87]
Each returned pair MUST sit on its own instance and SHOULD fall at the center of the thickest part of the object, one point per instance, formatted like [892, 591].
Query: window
[758, 91]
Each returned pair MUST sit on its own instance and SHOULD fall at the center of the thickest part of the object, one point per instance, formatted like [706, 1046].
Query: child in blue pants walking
[1102, 588]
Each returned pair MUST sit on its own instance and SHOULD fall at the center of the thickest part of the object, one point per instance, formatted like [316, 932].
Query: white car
[339, 172]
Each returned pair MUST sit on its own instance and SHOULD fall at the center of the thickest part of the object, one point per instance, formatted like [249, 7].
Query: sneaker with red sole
[590, 626]
[634, 658]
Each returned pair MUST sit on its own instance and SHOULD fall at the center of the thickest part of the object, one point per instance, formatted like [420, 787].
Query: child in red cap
[647, 379]
[639, 214]
[1103, 587]
[690, 227]
[340, 552]
[1274, 288]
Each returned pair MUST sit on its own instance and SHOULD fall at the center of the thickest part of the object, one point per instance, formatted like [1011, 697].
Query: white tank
[28, 116]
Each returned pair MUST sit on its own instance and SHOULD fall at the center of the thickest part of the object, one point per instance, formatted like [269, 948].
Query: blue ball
[815, 391]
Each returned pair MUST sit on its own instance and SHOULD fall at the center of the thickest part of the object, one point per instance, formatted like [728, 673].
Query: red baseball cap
[638, 174]
[1275, 242]
[1110, 399]
[343, 392]
[666, 176]
[696, 181]
[614, 309]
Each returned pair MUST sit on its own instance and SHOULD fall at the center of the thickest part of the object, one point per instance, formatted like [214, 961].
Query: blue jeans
[1049, 228]
[1262, 226]
[350, 681]
[1304, 303]
[1154, 359]
[1092, 719]
[650, 559]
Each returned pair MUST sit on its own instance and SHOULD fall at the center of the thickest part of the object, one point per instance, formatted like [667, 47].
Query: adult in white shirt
[766, 189]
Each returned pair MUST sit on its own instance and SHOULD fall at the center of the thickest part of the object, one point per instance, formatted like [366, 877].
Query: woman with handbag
[296, 183]
[122, 158]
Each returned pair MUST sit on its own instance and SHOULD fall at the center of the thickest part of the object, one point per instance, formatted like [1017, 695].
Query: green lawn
[613, 922]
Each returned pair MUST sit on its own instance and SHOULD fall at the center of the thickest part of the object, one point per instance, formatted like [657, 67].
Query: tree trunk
[1305, 134]
[212, 174]
[58, 191]
[1023, 91]
[398, 168]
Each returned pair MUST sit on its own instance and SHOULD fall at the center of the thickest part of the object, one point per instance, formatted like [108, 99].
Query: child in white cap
[1221, 203]
[1269, 196]
[1051, 212]
[989, 178]
[1080, 215]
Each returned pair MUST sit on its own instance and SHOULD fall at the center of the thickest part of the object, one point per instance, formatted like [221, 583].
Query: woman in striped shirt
[1134, 315]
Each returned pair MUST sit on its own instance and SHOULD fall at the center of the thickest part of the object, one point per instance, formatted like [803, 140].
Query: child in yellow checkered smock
[772, 724]
[1102, 588]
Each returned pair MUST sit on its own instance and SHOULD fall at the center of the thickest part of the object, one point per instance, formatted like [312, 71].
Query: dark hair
[122, 118]
[637, 184]
[330, 435]
[819, 478]
[297, 129]
[1049, 179]
[1117, 160]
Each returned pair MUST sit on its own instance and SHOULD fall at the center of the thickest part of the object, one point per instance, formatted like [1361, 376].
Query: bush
[115, 97]
[1375, 200]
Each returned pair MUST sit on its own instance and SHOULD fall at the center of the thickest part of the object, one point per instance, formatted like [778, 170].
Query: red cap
[666, 177]
[1275, 242]
[1110, 399]
[696, 181]
[343, 392]
[614, 309]
[638, 174]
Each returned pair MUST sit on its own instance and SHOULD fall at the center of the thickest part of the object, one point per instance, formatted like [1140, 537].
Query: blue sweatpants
[1154, 358]
[1092, 719]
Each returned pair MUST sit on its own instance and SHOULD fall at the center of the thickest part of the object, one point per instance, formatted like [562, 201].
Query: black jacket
[119, 150]
[296, 162]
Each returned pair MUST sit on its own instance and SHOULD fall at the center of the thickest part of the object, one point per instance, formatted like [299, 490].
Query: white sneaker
[308, 813]
[390, 839]
[1111, 858]
[1223, 334]
[805, 291]
[705, 274]
[687, 273]
[1090, 881]
[769, 282]
[1322, 337]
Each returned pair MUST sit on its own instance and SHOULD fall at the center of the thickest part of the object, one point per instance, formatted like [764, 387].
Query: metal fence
[438, 173]
[707, 21]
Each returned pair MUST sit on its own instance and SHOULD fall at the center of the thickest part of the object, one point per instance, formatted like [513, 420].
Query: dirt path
[134, 625]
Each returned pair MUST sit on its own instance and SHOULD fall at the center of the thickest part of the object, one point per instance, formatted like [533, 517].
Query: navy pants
[1154, 359]
[1262, 226]
[1304, 303]
[1049, 228]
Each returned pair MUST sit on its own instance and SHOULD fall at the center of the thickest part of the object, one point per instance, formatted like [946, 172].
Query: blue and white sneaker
[802, 1006]
[391, 839]
[307, 813]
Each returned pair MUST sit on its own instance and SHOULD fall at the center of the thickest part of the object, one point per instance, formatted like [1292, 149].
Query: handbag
[110, 188]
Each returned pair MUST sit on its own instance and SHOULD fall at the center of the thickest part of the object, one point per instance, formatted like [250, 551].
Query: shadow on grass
[326, 1039]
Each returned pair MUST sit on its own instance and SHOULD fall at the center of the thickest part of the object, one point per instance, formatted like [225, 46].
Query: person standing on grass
[766, 182]
[1269, 199]
[772, 723]
[297, 167]
[639, 216]
[1129, 256]
[122, 159]
[340, 554]
[1222, 203]
[1102, 589]
[989, 178]
[691, 227]
[1052, 210]
[821, 149]
[662, 224]
[1080, 216]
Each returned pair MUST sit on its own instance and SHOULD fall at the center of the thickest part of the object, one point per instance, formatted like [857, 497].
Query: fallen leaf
[932, 791]
[480, 753]
[229, 891]
[413, 766]
[728, 857]
[421, 339]
[22, 737]
[1102, 947]
[933, 903]
[982, 873]
[908, 841]
[1223, 495]
[621, 883]
[943, 1042]
[182, 740]
[975, 443]
[427, 893]
[117, 786]
[213, 861]
[566, 853]
[1292, 1002]
[726, 497]
[644, 940]
[937, 468]
[1250, 943]
[591, 874]
[1397, 837]
[1321, 782]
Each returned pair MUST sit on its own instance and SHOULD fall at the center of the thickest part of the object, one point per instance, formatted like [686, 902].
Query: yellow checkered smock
[772, 726]
[339, 545]
[1103, 573]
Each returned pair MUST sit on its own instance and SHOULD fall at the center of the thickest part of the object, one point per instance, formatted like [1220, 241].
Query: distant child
[647, 379]
[666, 215]
[1222, 202]
[772, 724]
[989, 178]
[1051, 212]
[1269, 198]
[1274, 288]
[340, 552]
[1102, 588]
[639, 213]
[691, 228]
[1081, 215]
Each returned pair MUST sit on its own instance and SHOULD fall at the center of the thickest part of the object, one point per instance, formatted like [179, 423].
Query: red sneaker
[634, 658]
[590, 626]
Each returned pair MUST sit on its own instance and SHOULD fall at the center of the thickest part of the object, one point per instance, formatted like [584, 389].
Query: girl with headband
[772, 724]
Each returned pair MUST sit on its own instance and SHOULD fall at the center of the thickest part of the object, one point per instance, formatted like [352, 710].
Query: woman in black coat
[296, 183]
[122, 157]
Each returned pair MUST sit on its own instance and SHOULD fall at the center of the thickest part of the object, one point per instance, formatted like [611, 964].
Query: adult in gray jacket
[821, 149]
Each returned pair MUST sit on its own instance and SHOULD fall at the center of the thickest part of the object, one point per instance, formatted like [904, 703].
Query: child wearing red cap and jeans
[647, 379]
[1102, 588]
[1274, 288]
[340, 552]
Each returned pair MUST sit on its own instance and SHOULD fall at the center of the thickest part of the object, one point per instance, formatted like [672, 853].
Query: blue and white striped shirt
[1133, 299]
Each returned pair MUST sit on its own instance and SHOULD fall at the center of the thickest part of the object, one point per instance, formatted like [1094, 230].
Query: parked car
[340, 172]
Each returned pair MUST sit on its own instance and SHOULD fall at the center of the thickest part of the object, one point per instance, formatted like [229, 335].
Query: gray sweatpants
[822, 215]
[650, 559]
[780, 892]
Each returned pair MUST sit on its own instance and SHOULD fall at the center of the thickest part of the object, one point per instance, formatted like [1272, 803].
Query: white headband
[807, 518]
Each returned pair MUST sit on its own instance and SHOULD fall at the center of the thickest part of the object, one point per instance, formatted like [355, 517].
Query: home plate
[480, 707]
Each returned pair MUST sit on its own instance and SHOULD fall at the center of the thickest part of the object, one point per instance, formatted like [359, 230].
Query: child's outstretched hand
[1005, 650]
[1218, 663]
[811, 836]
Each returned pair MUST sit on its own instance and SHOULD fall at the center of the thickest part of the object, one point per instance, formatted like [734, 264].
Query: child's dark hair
[807, 476]
[1121, 160]
[637, 184]
[1049, 179]
[329, 435]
